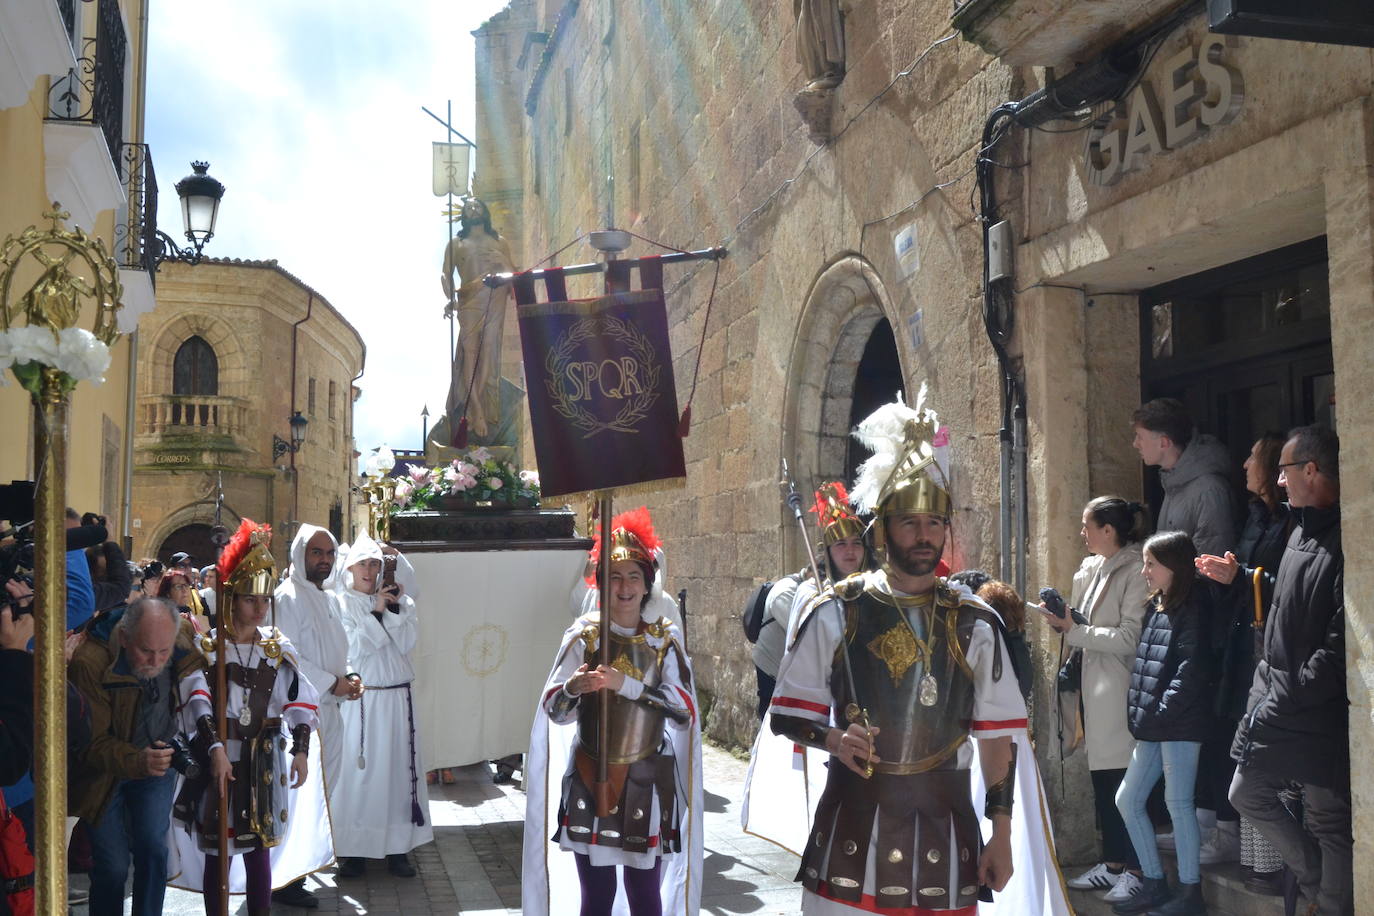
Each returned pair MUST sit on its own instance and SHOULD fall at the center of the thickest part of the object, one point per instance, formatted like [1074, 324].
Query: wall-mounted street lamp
[200, 195]
[280, 446]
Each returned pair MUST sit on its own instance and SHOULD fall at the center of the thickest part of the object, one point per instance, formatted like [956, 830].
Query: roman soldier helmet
[245, 567]
[834, 515]
[908, 473]
[632, 538]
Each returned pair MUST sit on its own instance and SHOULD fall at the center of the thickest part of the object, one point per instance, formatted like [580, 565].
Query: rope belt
[417, 816]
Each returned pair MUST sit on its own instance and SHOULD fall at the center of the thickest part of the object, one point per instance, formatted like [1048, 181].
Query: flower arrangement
[474, 476]
[76, 352]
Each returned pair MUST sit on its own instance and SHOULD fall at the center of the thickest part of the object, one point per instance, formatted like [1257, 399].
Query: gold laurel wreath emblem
[635, 409]
[898, 649]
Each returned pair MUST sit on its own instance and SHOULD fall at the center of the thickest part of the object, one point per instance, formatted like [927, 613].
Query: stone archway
[191, 516]
[846, 303]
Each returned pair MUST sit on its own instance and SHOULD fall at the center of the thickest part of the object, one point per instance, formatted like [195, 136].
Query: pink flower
[420, 474]
[403, 490]
[493, 483]
[480, 454]
[941, 437]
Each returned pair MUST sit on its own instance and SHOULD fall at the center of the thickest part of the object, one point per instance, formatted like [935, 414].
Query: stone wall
[704, 96]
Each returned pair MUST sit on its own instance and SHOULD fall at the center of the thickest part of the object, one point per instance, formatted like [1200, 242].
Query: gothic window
[195, 369]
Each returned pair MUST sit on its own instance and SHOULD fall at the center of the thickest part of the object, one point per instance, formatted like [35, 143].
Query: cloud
[309, 112]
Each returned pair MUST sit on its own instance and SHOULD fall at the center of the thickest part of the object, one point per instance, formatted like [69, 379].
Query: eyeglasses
[1295, 464]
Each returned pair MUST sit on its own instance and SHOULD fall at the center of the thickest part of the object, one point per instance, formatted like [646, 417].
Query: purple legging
[598, 888]
[258, 865]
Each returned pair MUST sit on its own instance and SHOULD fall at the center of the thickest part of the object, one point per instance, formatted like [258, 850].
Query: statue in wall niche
[820, 42]
[820, 51]
[474, 395]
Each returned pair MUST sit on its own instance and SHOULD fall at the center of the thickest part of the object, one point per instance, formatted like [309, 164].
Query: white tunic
[372, 801]
[309, 617]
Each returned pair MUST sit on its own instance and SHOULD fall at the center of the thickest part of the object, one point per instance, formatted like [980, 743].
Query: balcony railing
[136, 240]
[198, 415]
[93, 91]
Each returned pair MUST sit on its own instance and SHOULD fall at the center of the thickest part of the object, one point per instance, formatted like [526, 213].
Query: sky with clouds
[310, 113]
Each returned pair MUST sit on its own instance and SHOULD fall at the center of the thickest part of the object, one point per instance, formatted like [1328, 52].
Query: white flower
[403, 491]
[530, 478]
[480, 455]
[82, 356]
[75, 351]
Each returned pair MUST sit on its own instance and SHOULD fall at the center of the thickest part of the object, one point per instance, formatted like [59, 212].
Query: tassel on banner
[684, 425]
[460, 435]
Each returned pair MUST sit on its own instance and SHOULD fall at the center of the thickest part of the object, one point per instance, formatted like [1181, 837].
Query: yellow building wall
[97, 412]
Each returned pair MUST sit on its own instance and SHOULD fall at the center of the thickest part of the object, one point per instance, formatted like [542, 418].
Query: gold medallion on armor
[271, 648]
[626, 667]
[898, 649]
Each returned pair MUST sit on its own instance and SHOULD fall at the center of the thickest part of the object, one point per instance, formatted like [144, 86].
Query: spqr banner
[603, 405]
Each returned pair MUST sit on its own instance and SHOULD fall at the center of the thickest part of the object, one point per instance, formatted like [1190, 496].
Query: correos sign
[1198, 91]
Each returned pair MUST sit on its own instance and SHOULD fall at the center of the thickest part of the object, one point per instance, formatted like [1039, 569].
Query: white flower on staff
[75, 351]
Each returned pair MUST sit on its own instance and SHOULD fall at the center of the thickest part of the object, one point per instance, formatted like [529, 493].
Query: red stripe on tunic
[870, 903]
[687, 698]
[984, 726]
[301, 705]
[794, 703]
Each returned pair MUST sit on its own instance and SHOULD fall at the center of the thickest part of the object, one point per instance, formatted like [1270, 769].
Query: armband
[563, 703]
[300, 739]
[802, 731]
[998, 799]
[653, 698]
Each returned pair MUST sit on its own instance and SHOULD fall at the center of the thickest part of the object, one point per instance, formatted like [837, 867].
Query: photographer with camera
[111, 579]
[139, 668]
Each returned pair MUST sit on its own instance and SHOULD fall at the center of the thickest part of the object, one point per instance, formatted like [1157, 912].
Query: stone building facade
[217, 364]
[1209, 236]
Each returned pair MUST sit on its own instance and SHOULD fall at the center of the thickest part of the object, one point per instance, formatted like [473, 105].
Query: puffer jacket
[1169, 698]
[1296, 725]
[102, 674]
[1197, 496]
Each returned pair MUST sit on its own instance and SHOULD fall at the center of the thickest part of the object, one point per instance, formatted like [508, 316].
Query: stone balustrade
[163, 415]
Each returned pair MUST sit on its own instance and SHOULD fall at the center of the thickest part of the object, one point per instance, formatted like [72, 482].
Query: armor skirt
[258, 807]
[644, 816]
[919, 832]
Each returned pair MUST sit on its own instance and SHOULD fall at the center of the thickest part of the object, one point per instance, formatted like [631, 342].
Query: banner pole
[602, 790]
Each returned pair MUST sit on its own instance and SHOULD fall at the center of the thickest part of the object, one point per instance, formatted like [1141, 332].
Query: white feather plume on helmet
[909, 470]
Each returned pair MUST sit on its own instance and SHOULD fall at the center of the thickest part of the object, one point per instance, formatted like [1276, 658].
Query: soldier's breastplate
[920, 697]
[636, 731]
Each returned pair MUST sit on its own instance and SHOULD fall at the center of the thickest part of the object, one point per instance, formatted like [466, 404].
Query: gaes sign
[1200, 91]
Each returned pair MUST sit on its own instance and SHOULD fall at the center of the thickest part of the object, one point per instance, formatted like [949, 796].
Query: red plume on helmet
[635, 522]
[238, 547]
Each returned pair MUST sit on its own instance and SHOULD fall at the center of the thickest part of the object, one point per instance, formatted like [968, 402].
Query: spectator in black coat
[1169, 713]
[1295, 729]
[111, 578]
[1247, 574]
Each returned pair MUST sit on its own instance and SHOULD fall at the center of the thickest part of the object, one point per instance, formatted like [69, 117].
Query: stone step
[1223, 887]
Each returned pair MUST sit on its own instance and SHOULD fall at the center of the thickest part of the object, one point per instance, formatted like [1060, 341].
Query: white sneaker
[1127, 886]
[1220, 846]
[1095, 878]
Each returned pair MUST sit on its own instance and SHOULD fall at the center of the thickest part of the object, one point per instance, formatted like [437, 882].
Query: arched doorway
[193, 539]
[845, 361]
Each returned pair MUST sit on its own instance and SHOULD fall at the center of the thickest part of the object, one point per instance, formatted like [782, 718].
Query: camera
[1054, 604]
[182, 761]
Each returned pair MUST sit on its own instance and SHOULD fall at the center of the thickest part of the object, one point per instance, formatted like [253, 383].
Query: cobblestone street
[473, 865]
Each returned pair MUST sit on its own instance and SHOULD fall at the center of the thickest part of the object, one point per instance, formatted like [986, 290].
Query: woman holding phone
[1110, 593]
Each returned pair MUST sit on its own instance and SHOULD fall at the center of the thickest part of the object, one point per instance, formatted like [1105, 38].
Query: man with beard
[891, 672]
[307, 615]
[137, 668]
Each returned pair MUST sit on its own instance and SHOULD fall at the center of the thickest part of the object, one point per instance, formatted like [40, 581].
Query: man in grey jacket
[1193, 470]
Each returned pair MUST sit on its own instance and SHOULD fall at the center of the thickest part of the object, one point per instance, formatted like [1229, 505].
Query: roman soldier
[891, 673]
[646, 816]
[267, 703]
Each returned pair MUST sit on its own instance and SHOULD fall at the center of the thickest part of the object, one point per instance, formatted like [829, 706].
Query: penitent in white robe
[380, 792]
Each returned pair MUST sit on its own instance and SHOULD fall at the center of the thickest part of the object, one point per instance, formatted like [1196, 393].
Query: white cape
[550, 885]
[782, 773]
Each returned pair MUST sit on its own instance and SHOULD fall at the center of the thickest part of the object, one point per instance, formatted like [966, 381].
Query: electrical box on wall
[1340, 22]
[999, 251]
